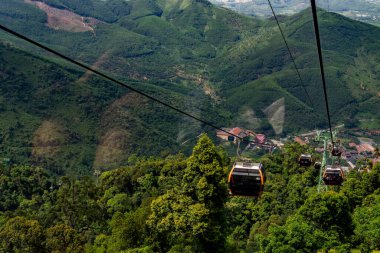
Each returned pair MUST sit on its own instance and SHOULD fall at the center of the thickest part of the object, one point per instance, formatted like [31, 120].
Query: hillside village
[360, 147]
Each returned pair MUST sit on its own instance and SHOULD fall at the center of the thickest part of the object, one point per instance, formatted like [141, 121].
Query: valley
[215, 64]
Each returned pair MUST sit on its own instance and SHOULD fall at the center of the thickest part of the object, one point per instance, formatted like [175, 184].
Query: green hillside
[51, 118]
[226, 68]
[349, 55]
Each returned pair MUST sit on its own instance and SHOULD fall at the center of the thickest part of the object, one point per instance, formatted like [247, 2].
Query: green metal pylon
[321, 185]
[325, 137]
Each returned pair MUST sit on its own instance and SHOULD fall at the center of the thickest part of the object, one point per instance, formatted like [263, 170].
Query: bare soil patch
[66, 20]
[47, 140]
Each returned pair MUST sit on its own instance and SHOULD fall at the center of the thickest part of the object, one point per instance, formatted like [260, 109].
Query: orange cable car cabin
[246, 179]
[336, 151]
[333, 175]
[305, 160]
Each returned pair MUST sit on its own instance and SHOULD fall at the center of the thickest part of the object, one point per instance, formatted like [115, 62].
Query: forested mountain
[180, 204]
[223, 67]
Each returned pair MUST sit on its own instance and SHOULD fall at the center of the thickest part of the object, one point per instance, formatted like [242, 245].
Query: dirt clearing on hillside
[66, 20]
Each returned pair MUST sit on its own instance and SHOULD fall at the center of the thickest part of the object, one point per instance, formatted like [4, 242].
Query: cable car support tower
[325, 137]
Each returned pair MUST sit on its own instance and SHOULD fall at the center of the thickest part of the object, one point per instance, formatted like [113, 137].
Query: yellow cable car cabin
[246, 179]
[333, 175]
[305, 160]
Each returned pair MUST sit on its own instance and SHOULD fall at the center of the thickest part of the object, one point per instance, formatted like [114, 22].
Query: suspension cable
[8, 30]
[290, 53]
[318, 40]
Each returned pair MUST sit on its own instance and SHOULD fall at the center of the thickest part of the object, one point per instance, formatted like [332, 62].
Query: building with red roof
[260, 138]
[236, 131]
[365, 148]
[299, 140]
[352, 145]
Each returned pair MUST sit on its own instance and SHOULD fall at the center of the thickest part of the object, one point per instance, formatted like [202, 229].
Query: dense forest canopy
[180, 204]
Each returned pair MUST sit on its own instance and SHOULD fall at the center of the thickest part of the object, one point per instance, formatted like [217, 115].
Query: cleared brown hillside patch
[66, 20]
[117, 143]
[97, 65]
[47, 140]
[112, 150]
[118, 114]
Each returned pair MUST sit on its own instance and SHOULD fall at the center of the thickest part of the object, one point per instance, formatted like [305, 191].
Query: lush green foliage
[208, 61]
[211, 62]
[180, 204]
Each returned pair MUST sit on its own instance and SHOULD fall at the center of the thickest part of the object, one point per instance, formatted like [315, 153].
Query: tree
[322, 222]
[21, 182]
[176, 218]
[62, 238]
[193, 209]
[238, 217]
[22, 235]
[372, 180]
[366, 220]
[76, 203]
[204, 178]
[120, 202]
[299, 188]
[119, 178]
[355, 188]
[129, 230]
[326, 211]
[295, 236]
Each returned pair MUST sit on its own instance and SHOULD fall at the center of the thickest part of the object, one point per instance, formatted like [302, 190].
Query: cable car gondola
[305, 160]
[246, 179]
[333, 175]
[336, 151]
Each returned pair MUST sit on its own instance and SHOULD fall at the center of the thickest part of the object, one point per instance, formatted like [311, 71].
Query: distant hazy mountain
[363, 10]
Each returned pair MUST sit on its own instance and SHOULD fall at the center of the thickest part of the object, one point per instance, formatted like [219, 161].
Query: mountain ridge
[210, 62]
